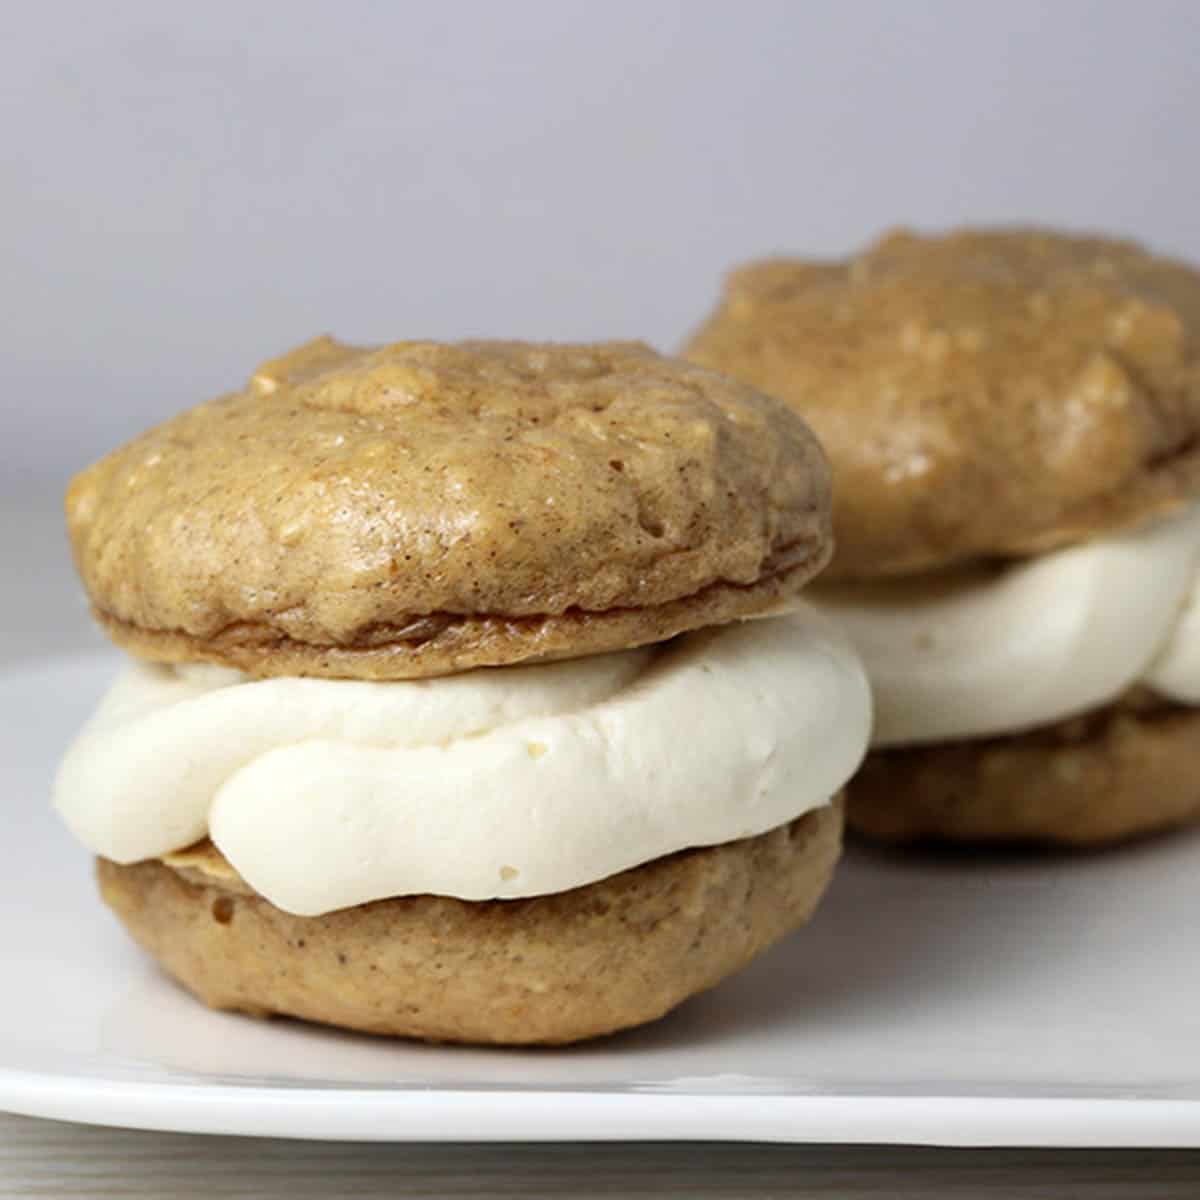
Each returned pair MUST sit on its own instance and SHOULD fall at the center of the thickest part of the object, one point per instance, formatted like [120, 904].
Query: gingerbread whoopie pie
[444, 715]
[1013, 421]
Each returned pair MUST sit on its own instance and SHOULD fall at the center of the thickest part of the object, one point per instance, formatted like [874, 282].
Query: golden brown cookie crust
[980, 393]
[443, 645]
[1130, 769]
[366, 503]
[551, 969]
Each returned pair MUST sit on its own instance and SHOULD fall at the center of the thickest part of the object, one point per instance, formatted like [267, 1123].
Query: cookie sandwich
[444, 717]
[1013, 421]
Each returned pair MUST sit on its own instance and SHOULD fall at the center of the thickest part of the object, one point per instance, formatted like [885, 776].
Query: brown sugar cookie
[979, 394]
[549, 969]
[421, 508]
[355, 826]
[1000, 405]
[1123, 771]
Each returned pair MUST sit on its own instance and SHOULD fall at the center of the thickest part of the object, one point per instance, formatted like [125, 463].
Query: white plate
[1000, 1001]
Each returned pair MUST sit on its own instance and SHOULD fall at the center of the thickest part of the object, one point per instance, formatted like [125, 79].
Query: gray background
[188, 189]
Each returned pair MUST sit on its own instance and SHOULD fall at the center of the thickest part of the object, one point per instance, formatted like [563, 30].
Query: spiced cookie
[304, 802]
[421, 508]
[980, 394]
[1013, 420]
[549, 969]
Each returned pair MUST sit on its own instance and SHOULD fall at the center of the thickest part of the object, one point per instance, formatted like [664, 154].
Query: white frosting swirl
[1014, 647]
[517, 781]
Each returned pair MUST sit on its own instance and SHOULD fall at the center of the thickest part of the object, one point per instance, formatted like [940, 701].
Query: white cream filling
[1015, 647]
[518, 781]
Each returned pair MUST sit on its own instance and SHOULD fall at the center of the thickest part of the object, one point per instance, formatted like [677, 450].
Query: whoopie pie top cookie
[422, 508]
[979, 394]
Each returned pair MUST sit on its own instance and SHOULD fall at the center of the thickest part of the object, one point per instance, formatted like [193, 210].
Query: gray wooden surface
[41, 612]
[44, 1158]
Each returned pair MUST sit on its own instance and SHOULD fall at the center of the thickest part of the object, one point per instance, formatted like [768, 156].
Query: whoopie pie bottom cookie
[1128, 769]
[548, 969]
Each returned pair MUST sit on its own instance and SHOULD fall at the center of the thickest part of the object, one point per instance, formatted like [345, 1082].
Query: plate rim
[469, 1115]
